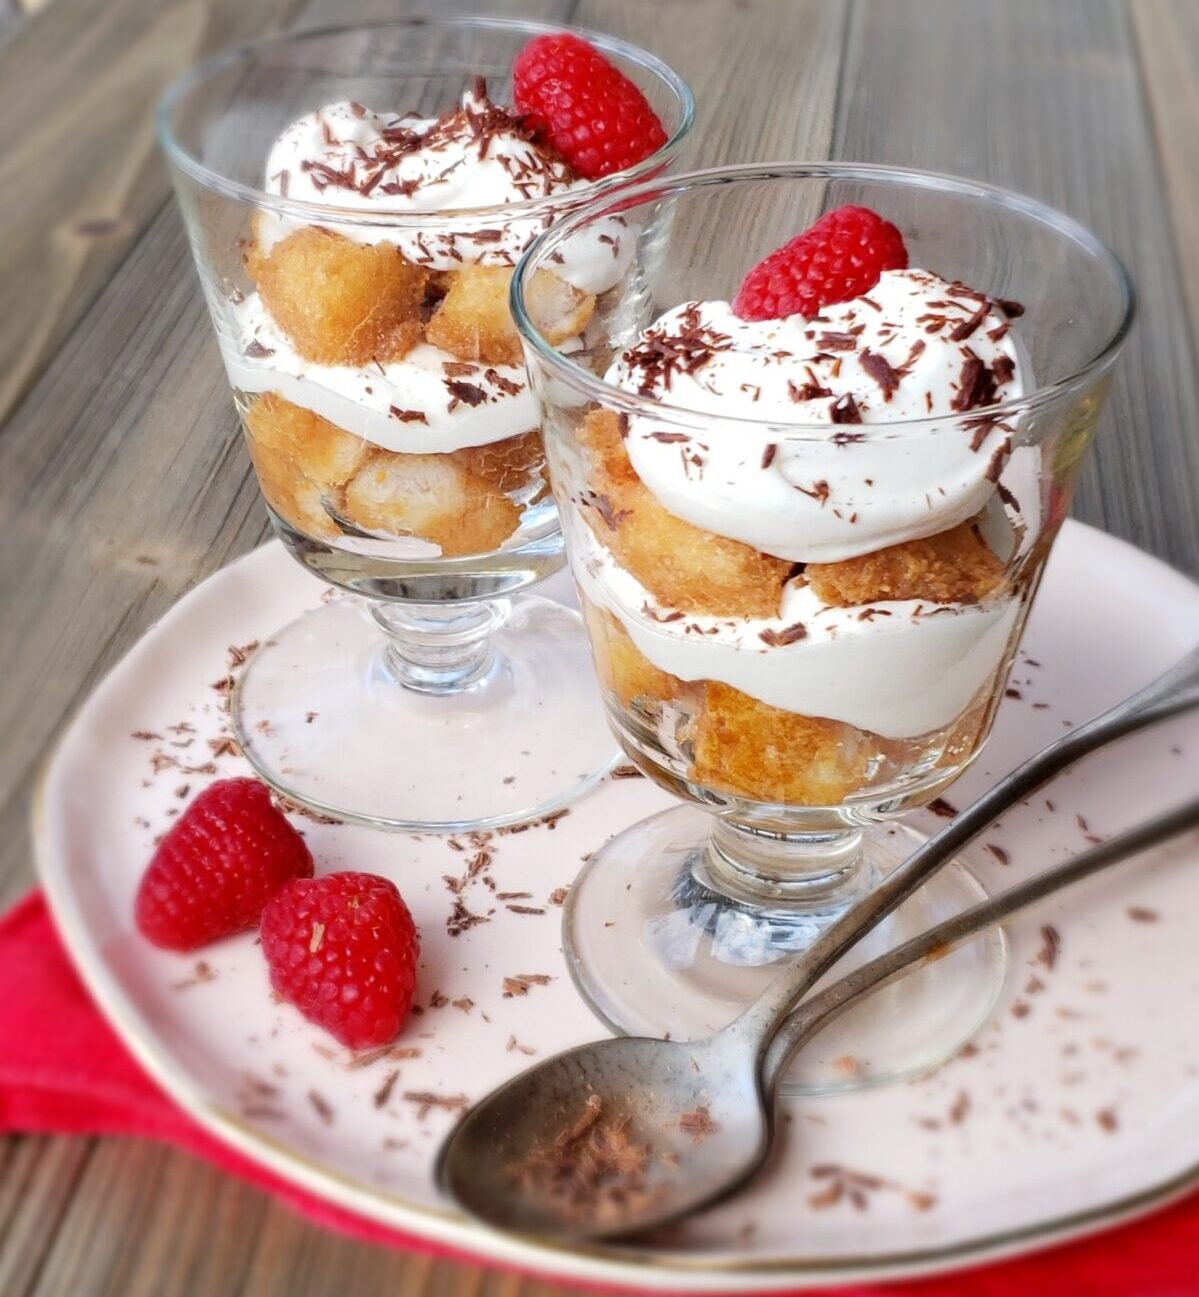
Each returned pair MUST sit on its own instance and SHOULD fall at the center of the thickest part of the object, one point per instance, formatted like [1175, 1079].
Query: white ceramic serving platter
[1076, 1106]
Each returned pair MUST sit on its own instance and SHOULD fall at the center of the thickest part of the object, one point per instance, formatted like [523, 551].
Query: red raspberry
[591, 113]
[224, 858]
[343, 950]
[838, 258]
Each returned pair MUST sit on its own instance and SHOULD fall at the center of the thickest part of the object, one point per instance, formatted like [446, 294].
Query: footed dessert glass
[355, 200]
[805, 550]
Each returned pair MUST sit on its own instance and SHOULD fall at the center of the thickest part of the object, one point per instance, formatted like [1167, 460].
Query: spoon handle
[817, 1012]
[1176, 691]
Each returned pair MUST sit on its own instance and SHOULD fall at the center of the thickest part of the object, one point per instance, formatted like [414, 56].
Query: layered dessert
[377, 367]
[819, 610]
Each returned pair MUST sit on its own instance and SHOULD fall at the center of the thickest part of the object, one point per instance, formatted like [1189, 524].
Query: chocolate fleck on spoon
[626, 1134]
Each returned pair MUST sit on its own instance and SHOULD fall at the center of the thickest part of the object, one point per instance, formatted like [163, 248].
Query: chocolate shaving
[464, 393]
[788, 635]
[519, 984]
[505, 385]
[976, 385]
[324, 1109]
[1051, 944]
[427, 1100]
[612, 516]
[818, 491]
[960, 332]
[593, 1169]
[881, 371]
[981, 428]
[654, 614]
[408, 416]
[917, 350]
[845, 410]
[461, 919]
[808, 391]
[998, 460]
[1004, 369]
[660, 354]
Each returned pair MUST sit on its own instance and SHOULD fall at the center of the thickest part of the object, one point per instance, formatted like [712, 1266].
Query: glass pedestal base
[656, 952]
[322, 716]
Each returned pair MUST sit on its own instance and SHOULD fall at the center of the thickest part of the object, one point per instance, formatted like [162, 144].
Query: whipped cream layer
[428, 402]
[916, 346]
[898, 669]
[344, 155]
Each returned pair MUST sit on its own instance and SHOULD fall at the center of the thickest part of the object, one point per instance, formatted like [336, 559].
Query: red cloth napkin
[63, 1071]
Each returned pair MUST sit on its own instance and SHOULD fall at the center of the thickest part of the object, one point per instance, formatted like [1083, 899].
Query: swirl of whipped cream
[479, 156]
[915, 346]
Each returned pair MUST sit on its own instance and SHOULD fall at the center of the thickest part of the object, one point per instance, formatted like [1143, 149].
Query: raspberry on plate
[591, 113]
[837, 259]
[343, 950]
[223, 859]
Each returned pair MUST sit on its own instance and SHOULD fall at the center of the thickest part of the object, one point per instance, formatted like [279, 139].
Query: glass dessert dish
[356, 199]
[805, 543]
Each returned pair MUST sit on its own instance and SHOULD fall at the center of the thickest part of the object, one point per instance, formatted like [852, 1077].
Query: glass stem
[439, 648]
[799, 873]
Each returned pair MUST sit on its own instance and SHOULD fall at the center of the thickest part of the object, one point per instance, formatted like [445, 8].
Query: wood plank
[294, 1259]
[80, 174]
[1167, 34]
[145, 1221]
[1046, 98]
[39, 1182]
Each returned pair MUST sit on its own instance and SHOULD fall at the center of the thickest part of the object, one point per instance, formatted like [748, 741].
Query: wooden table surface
[123, 481]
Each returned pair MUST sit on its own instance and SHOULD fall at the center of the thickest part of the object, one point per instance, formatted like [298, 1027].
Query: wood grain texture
[80, 176]
[123, 480]
[1167, 32]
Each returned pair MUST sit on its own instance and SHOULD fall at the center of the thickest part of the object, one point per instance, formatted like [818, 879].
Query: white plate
[1078, 1105]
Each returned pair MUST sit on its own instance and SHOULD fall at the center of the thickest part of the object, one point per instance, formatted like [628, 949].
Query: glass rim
[607, 394]
[317, 213]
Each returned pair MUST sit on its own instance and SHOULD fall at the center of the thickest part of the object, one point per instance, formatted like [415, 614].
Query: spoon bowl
[615, 1136]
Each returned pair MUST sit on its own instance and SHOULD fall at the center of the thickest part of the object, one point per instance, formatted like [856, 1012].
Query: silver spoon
[707, 1126]
[707, 1106]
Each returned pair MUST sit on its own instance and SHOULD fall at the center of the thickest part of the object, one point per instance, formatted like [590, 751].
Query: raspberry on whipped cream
[914, 347]
[347, 156]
